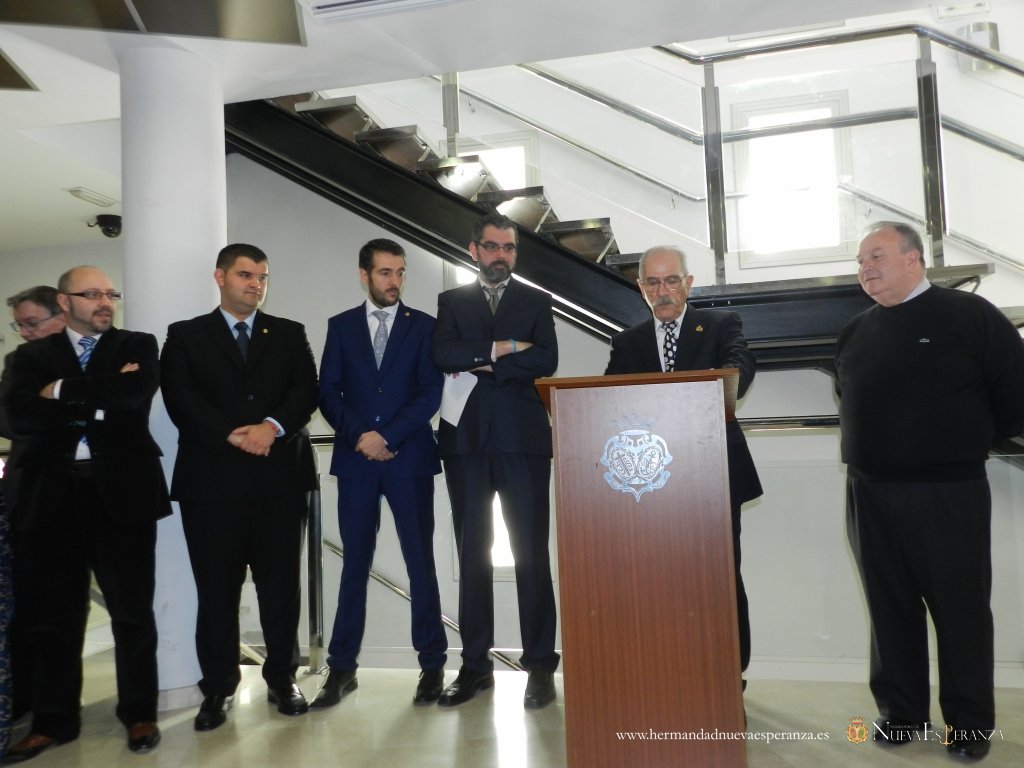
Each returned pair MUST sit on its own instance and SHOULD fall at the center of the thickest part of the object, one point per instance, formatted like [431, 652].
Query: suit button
[250, 397]
[380, 390]
[376, 419]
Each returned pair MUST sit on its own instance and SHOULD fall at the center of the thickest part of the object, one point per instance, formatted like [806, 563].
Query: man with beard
[682, 338]
[379, 388]
[240, 385]
[91, 492]
[501, 332]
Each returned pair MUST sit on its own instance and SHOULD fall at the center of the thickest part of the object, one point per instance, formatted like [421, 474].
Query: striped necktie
[86, 343]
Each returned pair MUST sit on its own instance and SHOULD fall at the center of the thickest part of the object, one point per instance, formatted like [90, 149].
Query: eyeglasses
[31, 324]
[94, 295]
[492, 247]
[671, 283]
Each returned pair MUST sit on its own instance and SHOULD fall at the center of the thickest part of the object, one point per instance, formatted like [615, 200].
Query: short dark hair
[495, 220]
[910, 240]
[43, 295]
[380, 245]
[229, 254]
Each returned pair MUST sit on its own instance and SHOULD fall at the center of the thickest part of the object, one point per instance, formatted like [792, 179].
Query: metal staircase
[467, 176]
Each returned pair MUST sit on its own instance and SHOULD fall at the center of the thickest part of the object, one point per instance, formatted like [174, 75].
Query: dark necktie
[86, 343]
[492, 297]
[243, 339]
[380, 338]
[669, 346]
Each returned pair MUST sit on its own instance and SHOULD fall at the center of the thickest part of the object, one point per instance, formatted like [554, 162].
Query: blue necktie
[86, 343]
[243, 339]
[380, 338]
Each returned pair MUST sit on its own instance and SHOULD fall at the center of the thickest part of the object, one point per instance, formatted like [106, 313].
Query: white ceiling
[66, 134]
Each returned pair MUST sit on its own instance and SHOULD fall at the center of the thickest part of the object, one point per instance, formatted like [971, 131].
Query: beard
[386, 299]
[496, 272]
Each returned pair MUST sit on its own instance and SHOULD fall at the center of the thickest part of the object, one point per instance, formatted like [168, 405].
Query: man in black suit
[240, 385]
[379, 388]
[91, 491]
[503, 333]
[36, 316]
[682, 338]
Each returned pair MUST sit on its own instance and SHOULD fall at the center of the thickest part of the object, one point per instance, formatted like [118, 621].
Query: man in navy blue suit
[379, 388]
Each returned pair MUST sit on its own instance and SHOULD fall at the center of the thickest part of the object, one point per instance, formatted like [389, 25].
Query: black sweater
[926, 387]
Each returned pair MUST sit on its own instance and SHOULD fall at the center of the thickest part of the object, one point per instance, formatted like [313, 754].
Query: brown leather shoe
[29, 747]
[143, 737]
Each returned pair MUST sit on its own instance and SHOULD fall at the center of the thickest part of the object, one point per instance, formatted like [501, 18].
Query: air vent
[339, 10]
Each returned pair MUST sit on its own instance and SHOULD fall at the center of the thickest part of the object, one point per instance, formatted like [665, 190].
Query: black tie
[243, 339]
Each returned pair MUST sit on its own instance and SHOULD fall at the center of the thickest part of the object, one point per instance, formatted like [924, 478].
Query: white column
[175, 222]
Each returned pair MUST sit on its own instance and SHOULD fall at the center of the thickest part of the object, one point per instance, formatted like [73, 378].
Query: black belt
[82, 468]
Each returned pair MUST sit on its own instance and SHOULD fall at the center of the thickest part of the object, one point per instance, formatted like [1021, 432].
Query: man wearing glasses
[36, 315]
[683, 338]
[501, 332]
[91, 491]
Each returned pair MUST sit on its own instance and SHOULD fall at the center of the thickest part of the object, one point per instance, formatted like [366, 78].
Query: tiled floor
[377, 727]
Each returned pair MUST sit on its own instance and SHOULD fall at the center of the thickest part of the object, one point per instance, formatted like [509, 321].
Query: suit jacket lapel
[224, 338]
[478, 300]
[262, 330]
[651, 355]
[399, 330]
[691, 337]
[510, 297]
[102, 353]
[65, 356]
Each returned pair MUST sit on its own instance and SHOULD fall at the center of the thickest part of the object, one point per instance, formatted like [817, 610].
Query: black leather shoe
[465, 687]
[969, 749]
[429, 688]
[213, 712]
[143, 737]
[896, 733]
[289, 700]
[338, 683]
[31, 746]
[540, 689]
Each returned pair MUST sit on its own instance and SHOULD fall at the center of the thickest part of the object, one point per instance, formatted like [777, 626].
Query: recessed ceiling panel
[92, 14]
[265, 21]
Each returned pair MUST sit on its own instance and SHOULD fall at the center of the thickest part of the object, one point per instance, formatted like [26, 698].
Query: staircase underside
[788, 324]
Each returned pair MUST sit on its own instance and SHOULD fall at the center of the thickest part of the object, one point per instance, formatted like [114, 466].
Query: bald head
[90, 314]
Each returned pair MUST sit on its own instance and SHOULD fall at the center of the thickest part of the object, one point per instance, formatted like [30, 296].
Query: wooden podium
[648, 607]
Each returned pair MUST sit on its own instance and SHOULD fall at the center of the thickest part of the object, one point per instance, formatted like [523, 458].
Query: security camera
[109, 224]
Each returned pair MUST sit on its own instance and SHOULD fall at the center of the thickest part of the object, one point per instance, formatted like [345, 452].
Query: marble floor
[377, 727]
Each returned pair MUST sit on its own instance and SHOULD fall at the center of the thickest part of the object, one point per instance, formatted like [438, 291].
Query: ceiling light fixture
[339, 10]
[92, 197]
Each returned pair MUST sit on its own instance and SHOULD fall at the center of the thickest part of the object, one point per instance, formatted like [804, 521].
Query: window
[789, 206]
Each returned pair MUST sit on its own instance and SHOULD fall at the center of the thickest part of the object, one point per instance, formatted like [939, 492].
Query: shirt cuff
[280, 429]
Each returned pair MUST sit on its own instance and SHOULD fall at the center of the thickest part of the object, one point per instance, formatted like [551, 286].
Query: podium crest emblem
[636, 458]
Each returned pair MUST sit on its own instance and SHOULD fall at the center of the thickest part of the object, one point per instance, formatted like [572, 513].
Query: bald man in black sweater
[928, 379]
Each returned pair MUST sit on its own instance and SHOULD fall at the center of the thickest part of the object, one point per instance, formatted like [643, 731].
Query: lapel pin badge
[265, 330]
[699, 329]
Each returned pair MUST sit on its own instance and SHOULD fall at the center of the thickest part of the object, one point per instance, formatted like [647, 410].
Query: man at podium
[682, 338]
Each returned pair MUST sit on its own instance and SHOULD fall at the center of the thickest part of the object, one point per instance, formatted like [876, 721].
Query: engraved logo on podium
[636, 458]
